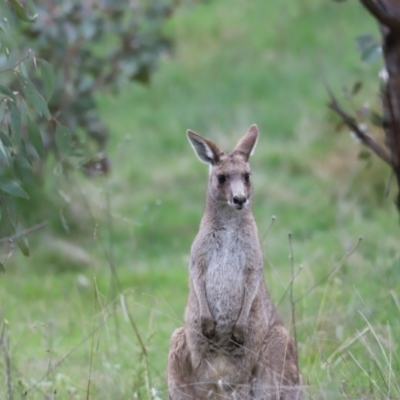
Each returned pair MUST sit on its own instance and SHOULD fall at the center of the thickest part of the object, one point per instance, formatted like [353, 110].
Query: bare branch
[17, 63]
[24, 232]
[387, 12]
[366, 139]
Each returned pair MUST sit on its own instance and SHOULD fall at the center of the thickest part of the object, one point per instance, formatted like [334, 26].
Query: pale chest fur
[229, 255]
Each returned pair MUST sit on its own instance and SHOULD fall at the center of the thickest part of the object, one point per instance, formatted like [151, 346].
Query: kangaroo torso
[226, 251]
[225, 279]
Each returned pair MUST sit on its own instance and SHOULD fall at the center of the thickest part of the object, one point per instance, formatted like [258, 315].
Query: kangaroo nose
[239, 200]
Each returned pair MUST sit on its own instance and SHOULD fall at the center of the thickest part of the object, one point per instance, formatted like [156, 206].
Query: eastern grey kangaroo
[233, 344]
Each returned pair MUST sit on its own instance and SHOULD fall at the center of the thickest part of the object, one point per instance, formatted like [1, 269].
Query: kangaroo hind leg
[179, 368]
[277, 376]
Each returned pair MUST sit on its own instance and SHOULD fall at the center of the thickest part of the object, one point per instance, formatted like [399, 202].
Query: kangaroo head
[229, 181]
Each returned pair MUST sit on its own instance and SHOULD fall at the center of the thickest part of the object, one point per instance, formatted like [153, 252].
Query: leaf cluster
[54, 57]
[23, 106]
[92, 46]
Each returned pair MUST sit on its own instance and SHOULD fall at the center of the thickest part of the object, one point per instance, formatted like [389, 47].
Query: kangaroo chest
[225, 277]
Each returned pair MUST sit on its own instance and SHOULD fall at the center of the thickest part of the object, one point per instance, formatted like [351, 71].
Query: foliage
[22, 106]
[92, 45]
[55, 59]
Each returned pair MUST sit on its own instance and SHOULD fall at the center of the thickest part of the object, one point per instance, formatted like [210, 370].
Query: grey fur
[233, 344]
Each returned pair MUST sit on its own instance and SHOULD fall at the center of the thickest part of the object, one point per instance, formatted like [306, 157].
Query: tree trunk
[387, 13]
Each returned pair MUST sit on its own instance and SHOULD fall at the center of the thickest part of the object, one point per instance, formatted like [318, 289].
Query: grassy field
[72, 312]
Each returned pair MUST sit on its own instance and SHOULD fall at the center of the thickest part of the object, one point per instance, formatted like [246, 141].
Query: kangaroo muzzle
[239, 197]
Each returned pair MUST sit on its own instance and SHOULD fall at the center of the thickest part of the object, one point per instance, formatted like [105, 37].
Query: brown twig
[24, 232]
[30, 54]
[361, 134]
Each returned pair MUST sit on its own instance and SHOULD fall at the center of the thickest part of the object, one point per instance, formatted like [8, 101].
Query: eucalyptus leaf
[23, 169]
[31, 9]
[24, 110]
[46, 71]
[23, 70]
[364, 155]
[3, 108]
[4, 25]
[36, 139]
[22, 150]
[6, 44]
[365, 42]
[4, 9]
[7, 92]
[369, 47]
[5, 155]
[28, 14]
[23, 245]
[33, 97]
[63, 139]
[376, 119]
[372, 54]
[16, 122]
[13, 188]
[22, 240]
[5, 139]
[356, 87]
[12, 215]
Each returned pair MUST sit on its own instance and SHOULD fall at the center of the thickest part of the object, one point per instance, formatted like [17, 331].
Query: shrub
[53, 60]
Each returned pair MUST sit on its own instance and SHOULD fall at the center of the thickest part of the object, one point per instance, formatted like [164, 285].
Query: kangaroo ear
[205, 149]
[247, 144]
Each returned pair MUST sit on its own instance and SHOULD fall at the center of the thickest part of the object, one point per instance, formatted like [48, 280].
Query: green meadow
[90, 313]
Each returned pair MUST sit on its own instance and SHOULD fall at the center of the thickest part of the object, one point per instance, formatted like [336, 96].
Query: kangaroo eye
[247, 177]
[221, 179]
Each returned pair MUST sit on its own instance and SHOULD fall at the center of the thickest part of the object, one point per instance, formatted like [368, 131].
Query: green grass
[235, 63]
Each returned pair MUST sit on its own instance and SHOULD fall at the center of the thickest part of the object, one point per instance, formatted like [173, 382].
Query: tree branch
[366, 139]
[30, 53]
[24, 232]
[387, 12]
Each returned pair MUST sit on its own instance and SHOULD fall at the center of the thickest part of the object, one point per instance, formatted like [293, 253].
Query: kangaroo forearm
[200, 291]
[199, 287]
[251, 287]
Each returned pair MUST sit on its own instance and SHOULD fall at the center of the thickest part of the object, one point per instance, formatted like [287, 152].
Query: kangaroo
[233, 344]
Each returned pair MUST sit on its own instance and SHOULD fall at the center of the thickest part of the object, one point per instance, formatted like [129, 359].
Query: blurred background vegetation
[116, 193]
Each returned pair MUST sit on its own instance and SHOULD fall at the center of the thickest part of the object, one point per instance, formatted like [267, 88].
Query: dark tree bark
[387, 13]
